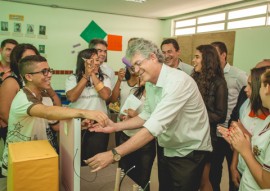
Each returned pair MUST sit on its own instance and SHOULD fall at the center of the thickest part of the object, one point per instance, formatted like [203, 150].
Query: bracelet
[99, 86]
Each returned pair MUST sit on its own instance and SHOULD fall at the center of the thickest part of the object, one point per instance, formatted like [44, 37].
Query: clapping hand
[234, 136]
[89, 66]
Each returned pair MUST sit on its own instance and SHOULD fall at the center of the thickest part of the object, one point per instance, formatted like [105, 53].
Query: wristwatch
[116, 156]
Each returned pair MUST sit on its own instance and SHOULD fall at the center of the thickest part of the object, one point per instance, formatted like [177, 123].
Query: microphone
[125, 176]
[126, 62]
[146, 185]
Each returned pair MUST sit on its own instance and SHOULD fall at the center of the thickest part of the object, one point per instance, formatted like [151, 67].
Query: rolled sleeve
[154, 127]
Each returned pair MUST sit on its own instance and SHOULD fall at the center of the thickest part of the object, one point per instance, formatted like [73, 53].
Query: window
[213, 27]
[211, 18]
[184, 31]
[185, 23]
[247, 23]
[247, 12]
[258, 15]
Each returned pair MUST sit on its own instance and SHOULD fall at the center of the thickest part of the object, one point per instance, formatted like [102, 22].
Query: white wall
[65, 26]
[251, 46]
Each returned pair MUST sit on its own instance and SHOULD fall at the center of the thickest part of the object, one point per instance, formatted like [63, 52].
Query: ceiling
[156, 9]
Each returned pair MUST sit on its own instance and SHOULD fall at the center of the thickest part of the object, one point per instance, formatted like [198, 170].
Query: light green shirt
[175, 113]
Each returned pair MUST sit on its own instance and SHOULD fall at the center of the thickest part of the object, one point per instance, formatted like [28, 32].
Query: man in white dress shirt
[174, 113]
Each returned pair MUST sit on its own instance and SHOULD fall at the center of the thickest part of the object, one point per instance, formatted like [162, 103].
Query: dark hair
[221, 46]
[26, 64]
[127, 74]
[255, 99]
[80, 67]
[16, 56]
[210, 69]
[266, 77]
[10, 41]
[139, 91]
[96, 41]
[171, 41]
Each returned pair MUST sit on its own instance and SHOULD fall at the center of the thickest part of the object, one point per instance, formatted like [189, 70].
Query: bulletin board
[189, 43]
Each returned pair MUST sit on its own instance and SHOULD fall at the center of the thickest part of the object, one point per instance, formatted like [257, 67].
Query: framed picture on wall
[17, 27]
[42, 30]
[4, 26]
[41, 49]
[30, 29]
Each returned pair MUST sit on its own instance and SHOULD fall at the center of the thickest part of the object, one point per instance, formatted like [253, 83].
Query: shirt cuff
[154, 127]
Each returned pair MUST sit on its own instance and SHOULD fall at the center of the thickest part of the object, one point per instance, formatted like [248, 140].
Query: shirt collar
[162, 76]
[180, 65]
[262, 116]
[227, 68]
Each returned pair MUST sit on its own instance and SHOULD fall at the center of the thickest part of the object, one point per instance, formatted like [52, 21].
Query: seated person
[29, 116]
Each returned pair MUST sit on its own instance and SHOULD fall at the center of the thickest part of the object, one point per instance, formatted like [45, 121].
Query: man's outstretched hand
[99, 128]
[100, 161]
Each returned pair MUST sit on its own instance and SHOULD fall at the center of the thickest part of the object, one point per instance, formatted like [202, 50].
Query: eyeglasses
[45, 71]
[138, 63]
